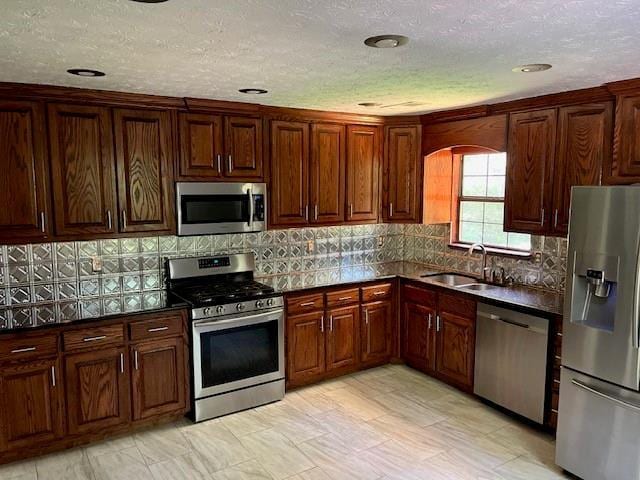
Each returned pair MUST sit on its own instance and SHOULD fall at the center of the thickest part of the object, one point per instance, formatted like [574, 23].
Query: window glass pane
[473, 211]
[497, 164]
[474, 165]
[470, 232]
[495, 187]
[474, 186]
[493, 235]
[520, 241]
[494, 213]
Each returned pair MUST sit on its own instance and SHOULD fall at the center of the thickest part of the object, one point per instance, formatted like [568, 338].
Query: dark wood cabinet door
[343, 339]
[243, 148]
[201, 147]
[375, 333]
[31, 403]
[97, 387]
[289, 173]
[82, 170]
[305, 347]
[456, 340]
[625, 168]
[158, 378]
[24, 179]
[531, 146]
[418, 323]
[363, 173]
[584, 145]
[144, 152]
[403, 178]
[327, 182]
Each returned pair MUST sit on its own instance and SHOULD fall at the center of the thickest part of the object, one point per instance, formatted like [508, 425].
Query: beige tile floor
[389, 423]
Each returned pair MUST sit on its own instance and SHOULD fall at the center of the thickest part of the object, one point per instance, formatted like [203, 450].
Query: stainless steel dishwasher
[511, 360]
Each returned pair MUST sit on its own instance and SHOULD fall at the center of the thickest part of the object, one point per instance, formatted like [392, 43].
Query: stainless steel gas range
[237, 327]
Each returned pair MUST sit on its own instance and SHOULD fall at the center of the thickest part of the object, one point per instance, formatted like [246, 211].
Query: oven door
[210, 208]
[238, 352]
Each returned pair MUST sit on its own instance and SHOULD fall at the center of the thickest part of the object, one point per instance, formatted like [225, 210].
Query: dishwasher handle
[509, 321]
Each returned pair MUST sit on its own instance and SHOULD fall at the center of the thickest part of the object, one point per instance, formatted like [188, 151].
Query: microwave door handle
[251, 207]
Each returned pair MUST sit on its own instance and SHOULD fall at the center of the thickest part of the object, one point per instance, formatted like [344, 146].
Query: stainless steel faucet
[483, 249]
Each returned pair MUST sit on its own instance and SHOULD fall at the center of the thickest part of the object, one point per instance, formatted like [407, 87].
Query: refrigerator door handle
[622, 403]
[635, 341]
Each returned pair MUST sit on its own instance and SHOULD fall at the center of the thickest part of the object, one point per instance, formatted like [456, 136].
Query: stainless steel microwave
[206, 208]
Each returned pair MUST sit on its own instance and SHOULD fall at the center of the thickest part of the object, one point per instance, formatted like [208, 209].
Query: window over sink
[480, 206]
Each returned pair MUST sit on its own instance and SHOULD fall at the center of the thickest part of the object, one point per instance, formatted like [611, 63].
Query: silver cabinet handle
[53, 375]
[322, 324]
[230, 163]
[135, 359]
[43, 226]
[622, 403]
[307, 304]
[306, 212]
[109, 222]
[158, 329]
[350, 210]
[542, 218]
[382, 292]
[390, 209]
[122, 363]
[331, 323]
[94, 339]
[219, 160]
[315, 212]
[341, 299]
[23, 350]
[555, 218]
[124, 219]
[366, 316]
[429, 321]
[437, 323]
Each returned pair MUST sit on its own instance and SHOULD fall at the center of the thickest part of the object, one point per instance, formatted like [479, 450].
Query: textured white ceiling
[310, 53]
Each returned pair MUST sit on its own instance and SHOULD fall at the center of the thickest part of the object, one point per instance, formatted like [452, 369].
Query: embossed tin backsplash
[52, 282]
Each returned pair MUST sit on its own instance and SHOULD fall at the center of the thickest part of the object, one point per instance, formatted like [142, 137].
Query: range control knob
[206, 311]
[259, 304]
[240, 307]
[219, 309]
[270, 302]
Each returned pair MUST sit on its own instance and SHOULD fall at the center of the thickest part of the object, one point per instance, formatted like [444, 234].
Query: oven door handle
[244, 320]
[250, 193]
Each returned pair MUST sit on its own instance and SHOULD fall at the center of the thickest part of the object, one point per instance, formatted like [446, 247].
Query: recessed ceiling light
[85, 72]
[369, 104]
[253, 91]
[531, 67]
[386, 41]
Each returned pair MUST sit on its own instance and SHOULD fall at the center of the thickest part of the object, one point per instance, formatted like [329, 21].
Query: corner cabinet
[402, 174]
[625, 166]
[25, 174]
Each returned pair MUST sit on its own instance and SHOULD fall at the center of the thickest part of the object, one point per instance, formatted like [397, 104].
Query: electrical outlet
[380, 241]
[96, 264]
[310, 246]
[537, 257]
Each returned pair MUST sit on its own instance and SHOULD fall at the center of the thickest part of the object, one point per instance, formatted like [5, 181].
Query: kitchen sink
[479, 287]
[450, 279]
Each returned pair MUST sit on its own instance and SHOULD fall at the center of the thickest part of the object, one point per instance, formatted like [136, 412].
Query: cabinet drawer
[170, 325]
[376, 292]
[93, 337]
[26, 346]
[343, 297]
[419, 295]
[305, 303]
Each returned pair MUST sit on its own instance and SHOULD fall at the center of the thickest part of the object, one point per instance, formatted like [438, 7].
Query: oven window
[239, 353]
[214, 208]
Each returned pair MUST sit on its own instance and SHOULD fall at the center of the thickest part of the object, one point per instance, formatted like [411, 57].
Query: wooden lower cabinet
[158, 378]
[376, 332]
[31, 401]
[305, 347]
[418, 345]
[97, 385]
[456, 349]
[342, 337]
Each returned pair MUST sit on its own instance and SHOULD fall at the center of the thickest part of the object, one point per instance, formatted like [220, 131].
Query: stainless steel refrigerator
[599, 414]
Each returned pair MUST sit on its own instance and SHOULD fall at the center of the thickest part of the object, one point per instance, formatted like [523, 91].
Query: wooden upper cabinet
[24, 179]
[201, 147]
[625, 168]
[144, 151]
[327, 173]
[82, 169]
[97, 387]
[343, 337]
[363, 172]
[305, 347]
[289, 173]
[403, 177]
[530, 151]
[31, 404]
[583, 146]
[243, 148]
